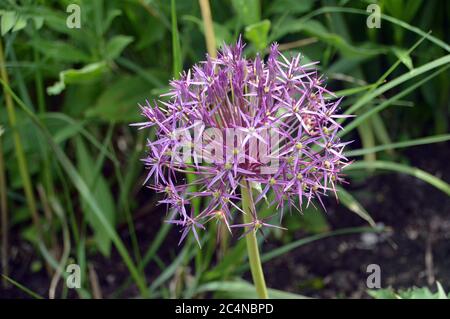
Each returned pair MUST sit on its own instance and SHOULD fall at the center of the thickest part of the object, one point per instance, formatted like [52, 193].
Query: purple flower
[283, 137]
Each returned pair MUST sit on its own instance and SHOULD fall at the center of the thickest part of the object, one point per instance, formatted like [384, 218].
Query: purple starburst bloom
[258, 100]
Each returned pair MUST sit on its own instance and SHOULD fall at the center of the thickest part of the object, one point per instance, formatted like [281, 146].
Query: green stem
[4, 215]
[22, 163]
[208, 27]
[252, 244]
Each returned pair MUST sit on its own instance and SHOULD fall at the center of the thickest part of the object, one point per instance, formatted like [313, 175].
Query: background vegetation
[70, 170]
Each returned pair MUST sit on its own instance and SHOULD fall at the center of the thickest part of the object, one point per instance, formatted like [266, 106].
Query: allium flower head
[283, 138]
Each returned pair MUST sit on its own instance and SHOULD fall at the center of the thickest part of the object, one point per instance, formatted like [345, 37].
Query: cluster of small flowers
[249, 95]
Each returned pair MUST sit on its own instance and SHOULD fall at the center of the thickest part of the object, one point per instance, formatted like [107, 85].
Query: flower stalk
[22, 163]
[252, 244]
[208, 27]
[4, 214]
[265, 122]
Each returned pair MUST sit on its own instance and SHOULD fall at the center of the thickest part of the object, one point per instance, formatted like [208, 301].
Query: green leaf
[367, 114]
[86, 74]
[367, 139]
[393, 20]
[403, 144]
[8, 21]
[70, 127]
[380, 131]
[257, 34]
[352, 204]
[385, 293]
[22, 287]
[317, 29]
[38, 22]
[116, 45]
[395, 8]
[101, 191]
[306, 240]
[111, 15]
[401, 168]
[243, 289]
[411, 9]
[403, 56]
[410, 293]
[303, 241]
[313, 221]
[228, 262]
[60, 51]
[118, 103]
[170, 270]
[248, 11]
[20, 24]
[291, 6]
[441, 293]
[445, 60]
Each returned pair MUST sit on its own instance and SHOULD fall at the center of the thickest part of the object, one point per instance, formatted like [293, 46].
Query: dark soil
[417, 214]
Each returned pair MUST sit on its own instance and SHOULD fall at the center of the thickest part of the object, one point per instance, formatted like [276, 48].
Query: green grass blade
[19, 148]
[367, 139]
[289, 247]
[394, 66]
[380, 131]
[243, 289]
[303, 241]
[176, 48]
[352, 204]
[73, 129]
[402, 168]
[156, 243]
[170, 270]
[364, 116]
[404, 144]
[82, 292]
[325, 10]
[397, 81]
[147, 76]
[227, 263]
[23, 288]
[353, 91]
